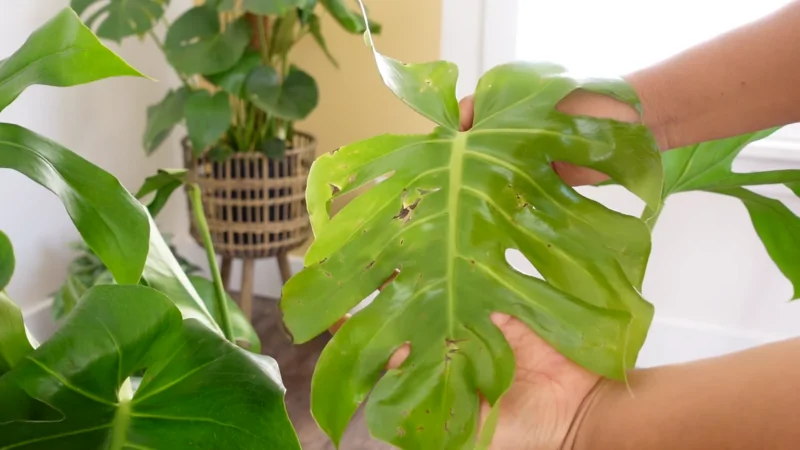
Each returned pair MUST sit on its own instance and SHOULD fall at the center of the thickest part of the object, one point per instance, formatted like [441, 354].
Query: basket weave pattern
[255, 207]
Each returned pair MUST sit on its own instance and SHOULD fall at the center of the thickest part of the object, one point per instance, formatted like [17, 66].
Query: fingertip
[399, 356]
[466, 106]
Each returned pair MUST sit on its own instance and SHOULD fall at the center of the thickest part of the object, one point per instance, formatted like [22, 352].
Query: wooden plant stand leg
[246, 293]
[283, 264]
[225, 271]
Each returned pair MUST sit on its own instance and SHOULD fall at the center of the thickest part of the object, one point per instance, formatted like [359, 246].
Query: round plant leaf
[262, 7]
[208, 117]
[196, 44]
[292, 99]
[274, 148]
[233, 79]
[198, 388]
[118, 19]
[447, 208]
[162, 118]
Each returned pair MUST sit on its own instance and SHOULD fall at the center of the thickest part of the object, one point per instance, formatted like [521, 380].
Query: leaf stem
[160, 45]
[195, 197]
[262, 36]
[650, 218]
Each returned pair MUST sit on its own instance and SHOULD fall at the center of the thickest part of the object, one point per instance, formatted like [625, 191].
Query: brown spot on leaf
[406, 211]
[401, 432]
[427, 411]
[401, 241]
[472, 261]
[334, 188]
[325, 259]
[420, 428]
[328, 274]
[352, 178]
[370, 264]
[333, 152]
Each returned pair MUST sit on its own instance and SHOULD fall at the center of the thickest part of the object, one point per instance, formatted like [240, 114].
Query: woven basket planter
[255, 206]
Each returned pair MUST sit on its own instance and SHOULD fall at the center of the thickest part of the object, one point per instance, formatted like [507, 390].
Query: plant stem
[219, 289]
[262, 35]
[650, 218]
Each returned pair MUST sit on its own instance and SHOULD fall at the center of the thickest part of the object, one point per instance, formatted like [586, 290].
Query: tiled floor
[297, 365]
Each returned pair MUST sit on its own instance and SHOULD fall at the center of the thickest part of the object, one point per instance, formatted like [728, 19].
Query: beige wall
[354, 103]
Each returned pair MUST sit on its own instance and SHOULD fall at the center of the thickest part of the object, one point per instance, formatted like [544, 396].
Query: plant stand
[255, 207]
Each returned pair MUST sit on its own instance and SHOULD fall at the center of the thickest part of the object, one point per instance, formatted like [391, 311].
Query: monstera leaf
[72, 391]
[62, 52]
[118, 19]
[262, 7]
[162, 118]
[447, 207]
[708, 167]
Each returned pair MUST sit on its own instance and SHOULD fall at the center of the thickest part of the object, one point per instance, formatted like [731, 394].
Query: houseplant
[75, 390]
[240, 98]
[437, 224]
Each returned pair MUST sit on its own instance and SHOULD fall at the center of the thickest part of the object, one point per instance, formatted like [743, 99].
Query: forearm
[746, 80]
[747, 400]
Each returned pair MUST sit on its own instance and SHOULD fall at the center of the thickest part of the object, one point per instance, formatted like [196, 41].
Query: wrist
[579, 435]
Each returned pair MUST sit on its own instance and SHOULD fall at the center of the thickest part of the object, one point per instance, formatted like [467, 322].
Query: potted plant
[432, 237]
[78, 390]
[240, 98]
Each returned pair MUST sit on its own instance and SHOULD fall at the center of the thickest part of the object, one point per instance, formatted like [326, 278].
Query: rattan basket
[255, 206]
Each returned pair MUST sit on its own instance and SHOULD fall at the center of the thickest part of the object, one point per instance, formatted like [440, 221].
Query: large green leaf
[196, 44]
[448, 206]
[162, 118]
[708, 167]
[163, 273]
[350, 20]
[14, 344]
[262, 7]
[62, 52]
[111, 221]
[243, 331]
[199, 390]
[118, 19]
[233, 79]
[292, 99]
[207, 118]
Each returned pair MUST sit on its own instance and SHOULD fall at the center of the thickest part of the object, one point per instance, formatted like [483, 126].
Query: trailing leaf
[708, 167]
[73, 391]
[207, 118]
[196, 44]
[292, 99]
[448, 206]
[118, 19]
[162, 118]
[110, 220]
[75, 57]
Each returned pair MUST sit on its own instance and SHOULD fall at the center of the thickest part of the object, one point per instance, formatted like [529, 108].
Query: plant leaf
[316, 31]
[110, 220]
[7, 261]
[119, 19]
[274, 148]
[232, 80]
[207, 118]
[448, 206]
[708, 167]
[243, 331]
[62, 52]
[262, 7]
[163, 273]
[114, 332]
[163, 183]
[162, 118]
[293, 99]
[351, 21]
[196, 44]
[68, 296]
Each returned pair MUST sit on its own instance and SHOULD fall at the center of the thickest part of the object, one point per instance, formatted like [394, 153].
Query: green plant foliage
[708, 167]
[14, 344]
[293, 98]
[75, 57]
[207, 118]
[110, 220]
[448, 206]
[274, 148]
[348, 19]
[243, 331]
[196, 44]
[232, 80]
[163, 183]
[76, 382]
[316, 31]
[163, 117]
[263, 7]
[118, 19]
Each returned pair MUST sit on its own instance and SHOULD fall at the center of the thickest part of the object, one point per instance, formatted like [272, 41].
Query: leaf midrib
[457, 152]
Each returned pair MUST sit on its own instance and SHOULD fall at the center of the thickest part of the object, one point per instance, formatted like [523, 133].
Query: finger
[467, 105]
[577, 175]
